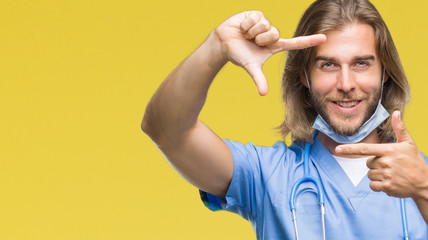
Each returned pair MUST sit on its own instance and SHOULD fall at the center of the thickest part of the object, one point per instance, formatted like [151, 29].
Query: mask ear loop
[307, 80]
[381, 84]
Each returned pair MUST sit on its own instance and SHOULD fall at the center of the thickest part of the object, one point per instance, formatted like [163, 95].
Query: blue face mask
[378, 117]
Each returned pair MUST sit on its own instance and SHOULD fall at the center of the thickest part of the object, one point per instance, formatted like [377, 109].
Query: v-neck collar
[323, 158]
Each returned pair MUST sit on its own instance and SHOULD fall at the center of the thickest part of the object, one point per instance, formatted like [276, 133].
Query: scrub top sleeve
[246, 188]
[424, 157]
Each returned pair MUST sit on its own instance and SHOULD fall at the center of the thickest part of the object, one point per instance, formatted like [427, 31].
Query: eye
[327, 65]
[362, 64]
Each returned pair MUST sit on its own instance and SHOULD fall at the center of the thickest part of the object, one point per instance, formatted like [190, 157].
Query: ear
[303, 79]
[385, 77]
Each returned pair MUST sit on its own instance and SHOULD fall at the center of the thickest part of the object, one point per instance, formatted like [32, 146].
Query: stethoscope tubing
[404, 218]
[320, 192]
[307, 178]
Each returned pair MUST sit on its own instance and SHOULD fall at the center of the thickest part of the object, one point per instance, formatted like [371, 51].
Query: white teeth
[347, 104]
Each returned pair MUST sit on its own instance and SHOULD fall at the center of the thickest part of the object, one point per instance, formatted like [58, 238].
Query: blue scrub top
[260, 192]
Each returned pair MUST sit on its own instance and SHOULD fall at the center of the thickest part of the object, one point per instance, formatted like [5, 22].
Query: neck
[331, 145]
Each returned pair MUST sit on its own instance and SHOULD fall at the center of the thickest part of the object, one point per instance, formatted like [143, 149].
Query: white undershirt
[355, 168]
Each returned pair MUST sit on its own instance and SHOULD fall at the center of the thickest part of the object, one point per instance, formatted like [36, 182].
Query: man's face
[345, 78]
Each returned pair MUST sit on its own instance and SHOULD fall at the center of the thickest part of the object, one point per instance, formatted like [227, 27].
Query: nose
[345, 80]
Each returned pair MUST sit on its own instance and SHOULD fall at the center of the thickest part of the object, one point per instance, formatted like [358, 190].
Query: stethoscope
[320, 192]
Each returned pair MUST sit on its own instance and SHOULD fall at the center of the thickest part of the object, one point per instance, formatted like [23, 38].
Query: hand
[248, 39]
[397, 169]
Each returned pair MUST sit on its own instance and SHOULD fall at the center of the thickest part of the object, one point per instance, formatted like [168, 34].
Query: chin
[347, 128]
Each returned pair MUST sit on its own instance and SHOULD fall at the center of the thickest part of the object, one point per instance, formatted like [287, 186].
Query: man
[343, 83]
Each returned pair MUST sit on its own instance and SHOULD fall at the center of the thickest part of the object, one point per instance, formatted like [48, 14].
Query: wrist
[212, 49]
[421, 196]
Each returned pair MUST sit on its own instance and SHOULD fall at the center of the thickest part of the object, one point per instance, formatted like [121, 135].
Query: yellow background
[75, 78]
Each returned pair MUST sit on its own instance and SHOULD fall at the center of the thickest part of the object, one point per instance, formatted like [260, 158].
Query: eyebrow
[323, 58]
[369, 57]
[333, 59]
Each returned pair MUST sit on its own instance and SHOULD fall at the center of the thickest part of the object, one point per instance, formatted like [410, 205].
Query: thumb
[259, 78]
[399, 129]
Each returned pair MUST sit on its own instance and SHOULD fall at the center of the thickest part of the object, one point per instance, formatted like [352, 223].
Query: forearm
[421, 198]
[175, 106]
[422, 204]
[419, 179]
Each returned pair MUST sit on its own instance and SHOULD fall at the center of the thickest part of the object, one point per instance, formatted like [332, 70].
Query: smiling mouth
[347, 104]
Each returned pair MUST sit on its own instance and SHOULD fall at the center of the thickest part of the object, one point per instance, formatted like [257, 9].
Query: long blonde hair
[328, 15]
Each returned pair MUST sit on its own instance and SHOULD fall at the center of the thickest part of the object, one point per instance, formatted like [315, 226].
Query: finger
[251, 19]
[376, 186]
[371, 163]
[262, 26]
[268, 37]
[298, 42]
[375, 175]
[400, 130]
[365, 149]
[258, 77]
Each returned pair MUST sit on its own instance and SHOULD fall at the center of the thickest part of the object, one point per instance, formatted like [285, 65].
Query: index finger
[299, 42]
[365, 149]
